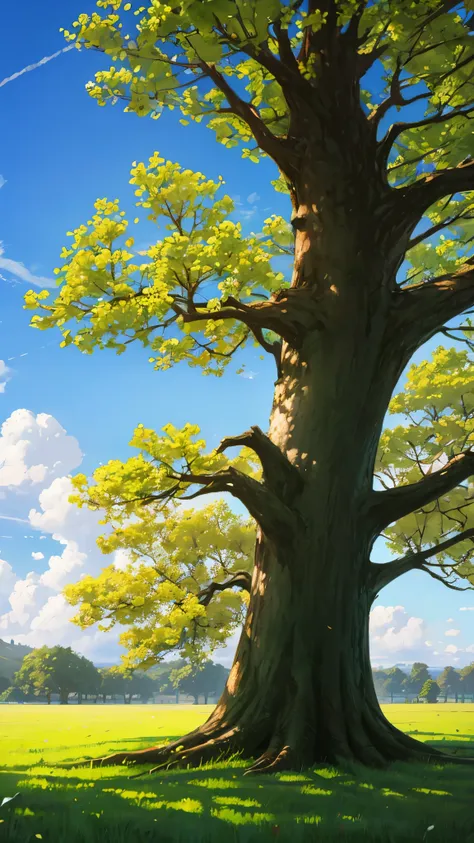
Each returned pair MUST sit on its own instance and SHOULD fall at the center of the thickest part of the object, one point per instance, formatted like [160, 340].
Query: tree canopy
[58, 670]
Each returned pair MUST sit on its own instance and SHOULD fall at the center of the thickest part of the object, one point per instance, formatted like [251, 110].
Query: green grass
[215, 804]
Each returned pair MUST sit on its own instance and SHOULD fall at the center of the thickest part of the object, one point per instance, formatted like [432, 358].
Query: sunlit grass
[215, 803]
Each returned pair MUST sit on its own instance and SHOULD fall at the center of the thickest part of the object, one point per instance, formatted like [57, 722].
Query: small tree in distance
[49, 670]
[450, 682]
[430, 691]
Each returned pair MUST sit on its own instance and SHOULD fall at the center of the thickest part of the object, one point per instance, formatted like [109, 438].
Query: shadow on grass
[216, 804]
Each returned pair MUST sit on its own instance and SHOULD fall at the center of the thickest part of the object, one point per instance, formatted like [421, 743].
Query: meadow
[215, 804]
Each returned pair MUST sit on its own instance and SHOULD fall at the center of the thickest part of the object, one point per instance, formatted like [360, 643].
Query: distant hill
[11, 657]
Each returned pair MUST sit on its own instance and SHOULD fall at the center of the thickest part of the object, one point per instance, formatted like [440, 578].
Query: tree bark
[48, 697]
[63, 697]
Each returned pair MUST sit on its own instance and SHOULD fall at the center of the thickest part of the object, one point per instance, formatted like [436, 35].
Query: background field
[215, 803]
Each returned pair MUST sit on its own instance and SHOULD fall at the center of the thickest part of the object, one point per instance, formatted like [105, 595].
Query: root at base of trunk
[198, 747]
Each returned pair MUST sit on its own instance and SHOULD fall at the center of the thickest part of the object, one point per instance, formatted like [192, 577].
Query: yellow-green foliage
[438, 406]
[111, 295]
[216, 803]
[171, 559]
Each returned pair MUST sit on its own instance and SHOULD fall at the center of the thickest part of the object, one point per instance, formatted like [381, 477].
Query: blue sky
[59, 152]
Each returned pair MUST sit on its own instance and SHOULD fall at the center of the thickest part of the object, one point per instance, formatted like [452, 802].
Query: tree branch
[274, 517]
[277, 149]
[382, 575]
[423, 193]
[283, 478]
[289, 313]
[434, 229]
[241, 579]
[392, 504]
[421, 311]
[386, 144]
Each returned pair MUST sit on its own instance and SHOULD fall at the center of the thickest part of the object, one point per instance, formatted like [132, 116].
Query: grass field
[215, 804]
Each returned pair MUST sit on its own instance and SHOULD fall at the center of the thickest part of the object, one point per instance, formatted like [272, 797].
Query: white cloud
[2, 181]
[428, 643]
[4, 375]
[452, 633]
[64, 568]
[34, 450]
[382, 615]
[450, 620]
[37, 554]
[252, 198]
[19, 270]
[7, 577]
[451, 649]
[466, 609]
[394, 634]
[470, 648]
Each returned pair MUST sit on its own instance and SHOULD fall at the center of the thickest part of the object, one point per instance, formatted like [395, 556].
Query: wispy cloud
[254, 197]
[19, 270]
[34, 66]
[12, 518]
[2, 181]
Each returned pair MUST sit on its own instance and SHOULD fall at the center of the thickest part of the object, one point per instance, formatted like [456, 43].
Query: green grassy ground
[216, 804]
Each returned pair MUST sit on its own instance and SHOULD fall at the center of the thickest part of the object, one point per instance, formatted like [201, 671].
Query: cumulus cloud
[34, 450]
[19, 270]
[451, 649]
[37, 555]
[395, 634]
[7, 578]
[452, 633]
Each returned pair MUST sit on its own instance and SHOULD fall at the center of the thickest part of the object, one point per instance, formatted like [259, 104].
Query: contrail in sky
[34, 66]
[11, 518]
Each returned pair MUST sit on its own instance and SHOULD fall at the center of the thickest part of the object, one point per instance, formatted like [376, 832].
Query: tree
[371, 194]
[394, 682]
[4, 683]
[142, 686]
[116, 682]
[208, 679]
[450, 682]
[48, 670]
[418, 677]
[430, 691]
[12, 694]
[467, 681]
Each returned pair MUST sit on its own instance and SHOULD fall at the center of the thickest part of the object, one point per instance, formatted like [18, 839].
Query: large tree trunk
[300, 690]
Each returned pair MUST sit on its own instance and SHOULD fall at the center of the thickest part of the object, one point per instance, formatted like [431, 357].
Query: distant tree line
[420, 685]
[48, 673]
[59, 672]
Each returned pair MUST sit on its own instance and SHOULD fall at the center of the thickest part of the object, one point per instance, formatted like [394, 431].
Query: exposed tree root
[283, 761]
[378, 745]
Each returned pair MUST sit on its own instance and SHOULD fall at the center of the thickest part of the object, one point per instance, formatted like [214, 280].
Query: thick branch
[423, 193]
[382, 575]
[387, 142]
[241, 579]
[279, 474]
[267, 141]
[276, 520]
[420, 311]
[434, 229]
[392, 504]
[289, 313]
